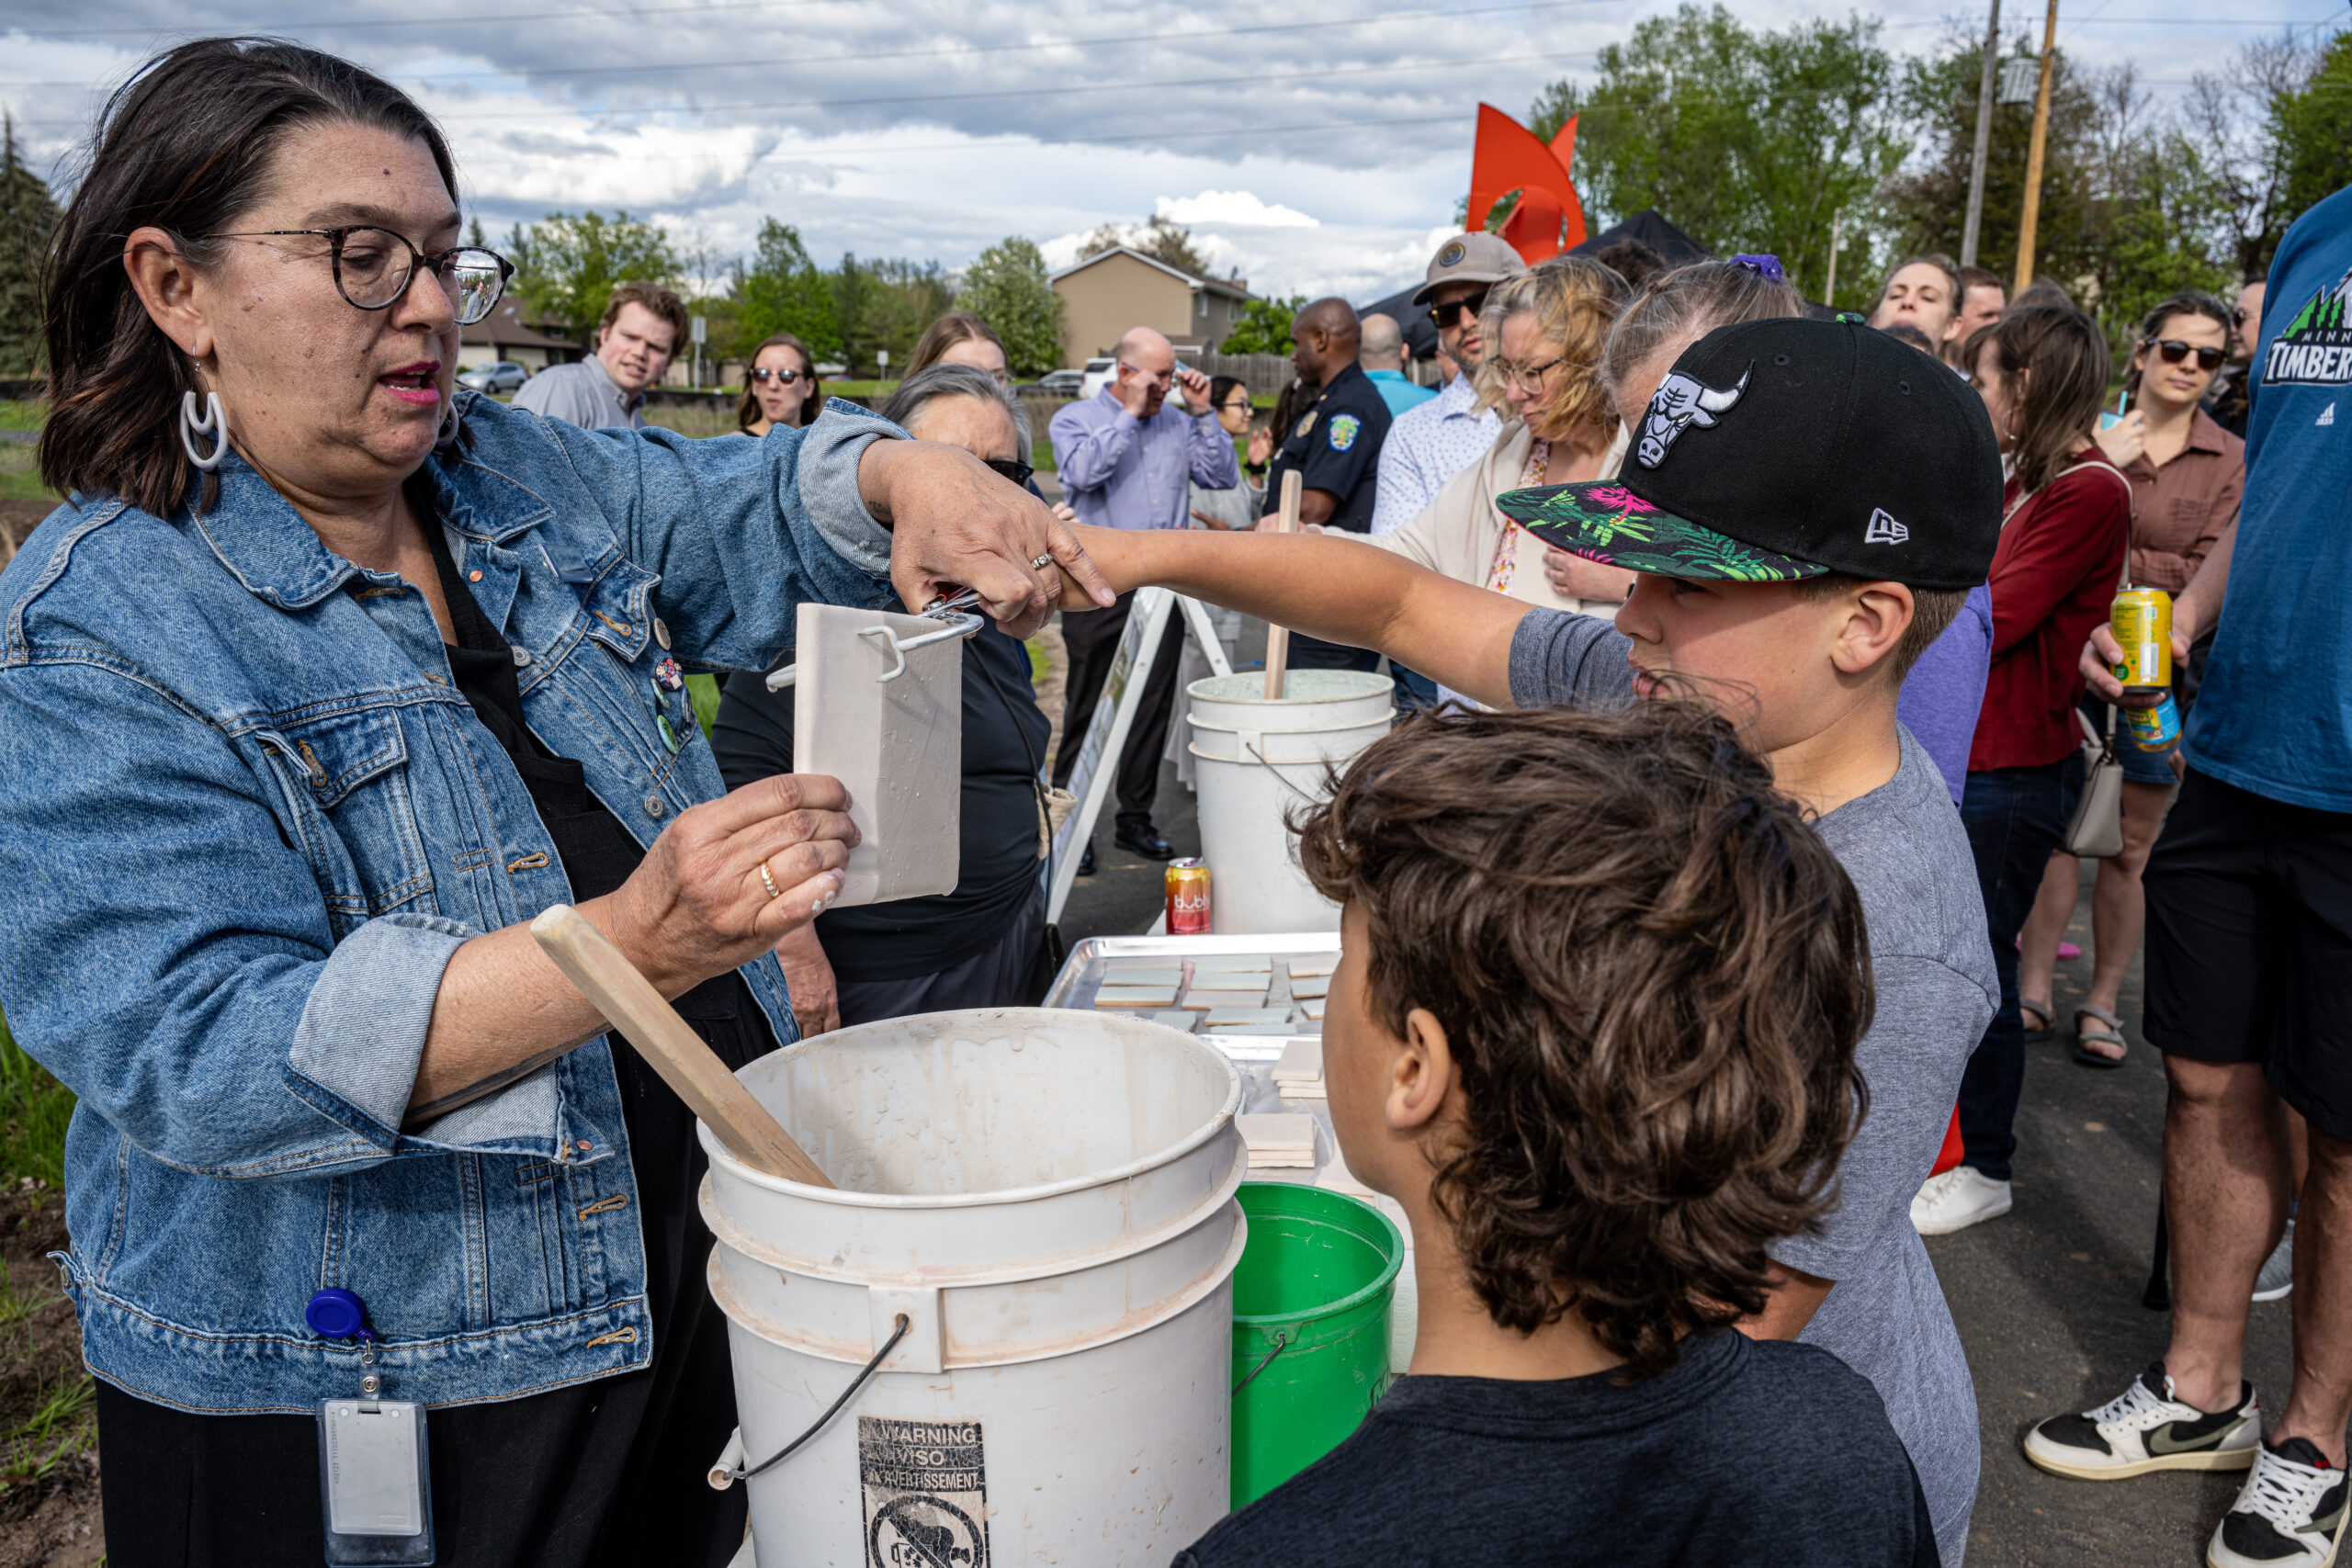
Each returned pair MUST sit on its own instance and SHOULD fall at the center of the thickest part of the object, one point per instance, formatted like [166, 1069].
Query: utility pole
[2032, 213]
[1984, 142]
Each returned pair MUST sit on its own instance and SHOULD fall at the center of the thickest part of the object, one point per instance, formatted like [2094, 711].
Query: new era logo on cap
[1781, 449]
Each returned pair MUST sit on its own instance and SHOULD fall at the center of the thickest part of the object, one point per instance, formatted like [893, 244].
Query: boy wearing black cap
[1807, 509]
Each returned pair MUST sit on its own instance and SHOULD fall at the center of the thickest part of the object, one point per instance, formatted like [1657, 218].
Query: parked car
[1098, 375]
[1064, 382]
[504, 377]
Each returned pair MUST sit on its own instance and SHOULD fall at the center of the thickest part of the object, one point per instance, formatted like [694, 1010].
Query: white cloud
[1242, 209]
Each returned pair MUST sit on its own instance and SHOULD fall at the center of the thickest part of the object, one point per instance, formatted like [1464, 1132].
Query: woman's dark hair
[956, 326]
[1220, 388]
[748, 412]
[2063, 358]
[187, 146]
[2187, 302]
[1653, 976]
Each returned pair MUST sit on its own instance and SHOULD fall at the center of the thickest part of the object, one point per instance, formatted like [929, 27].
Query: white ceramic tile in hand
[897, 745]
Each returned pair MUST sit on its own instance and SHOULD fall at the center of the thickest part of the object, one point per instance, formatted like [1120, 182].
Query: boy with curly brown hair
[1593, 1027]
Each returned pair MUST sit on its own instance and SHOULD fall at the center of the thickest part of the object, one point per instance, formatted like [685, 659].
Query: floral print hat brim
[1605, 522]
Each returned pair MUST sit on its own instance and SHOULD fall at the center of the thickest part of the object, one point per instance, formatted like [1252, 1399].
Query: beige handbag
[2097, 830]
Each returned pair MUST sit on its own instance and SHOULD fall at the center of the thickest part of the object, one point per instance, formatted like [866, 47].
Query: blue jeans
[1414, 691]
[2015, 817]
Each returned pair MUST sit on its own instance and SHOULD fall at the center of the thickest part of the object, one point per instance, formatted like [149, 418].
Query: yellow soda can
[2142, 622]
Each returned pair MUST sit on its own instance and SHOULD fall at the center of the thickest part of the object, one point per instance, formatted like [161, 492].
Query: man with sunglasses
[1128, 460]
[1429, 445]
[639, 335]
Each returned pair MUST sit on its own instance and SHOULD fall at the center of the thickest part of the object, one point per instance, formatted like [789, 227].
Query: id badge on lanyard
[374, 1488]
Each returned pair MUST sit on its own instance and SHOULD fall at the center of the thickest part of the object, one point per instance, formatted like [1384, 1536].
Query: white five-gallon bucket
[1047, 1197]
[1259, 758]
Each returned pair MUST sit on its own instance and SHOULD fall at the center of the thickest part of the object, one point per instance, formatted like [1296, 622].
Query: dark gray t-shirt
[1741, 1455]
[1904, 847]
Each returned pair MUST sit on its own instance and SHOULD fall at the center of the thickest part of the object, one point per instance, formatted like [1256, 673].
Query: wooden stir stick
[1278, 637]
[607, 977]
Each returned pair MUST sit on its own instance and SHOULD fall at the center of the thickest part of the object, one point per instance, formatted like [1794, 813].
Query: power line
[956, 51]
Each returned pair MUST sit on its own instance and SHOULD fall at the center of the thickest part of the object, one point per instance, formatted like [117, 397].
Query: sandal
[2048, 1014]
[2110, 1035]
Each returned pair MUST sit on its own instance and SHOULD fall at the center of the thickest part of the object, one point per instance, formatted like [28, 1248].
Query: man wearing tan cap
[1429, 445]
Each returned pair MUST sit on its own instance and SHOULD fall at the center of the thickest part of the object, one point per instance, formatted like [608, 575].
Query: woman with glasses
[977, 946]
[322, 683]
[1545, 331]
[780, 389]
[2186, 484]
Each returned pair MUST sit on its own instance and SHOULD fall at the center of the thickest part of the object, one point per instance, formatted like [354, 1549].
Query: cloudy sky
[1317, 146]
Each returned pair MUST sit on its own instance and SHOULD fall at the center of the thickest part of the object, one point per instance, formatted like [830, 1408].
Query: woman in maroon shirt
[2043, 371]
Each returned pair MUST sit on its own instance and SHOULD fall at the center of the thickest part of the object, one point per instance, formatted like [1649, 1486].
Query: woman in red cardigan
[2043, 371]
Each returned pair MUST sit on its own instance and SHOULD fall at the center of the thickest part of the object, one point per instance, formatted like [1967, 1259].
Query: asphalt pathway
[2046, 1298]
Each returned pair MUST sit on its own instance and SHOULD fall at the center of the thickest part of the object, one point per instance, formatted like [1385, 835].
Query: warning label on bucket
[926, 1494]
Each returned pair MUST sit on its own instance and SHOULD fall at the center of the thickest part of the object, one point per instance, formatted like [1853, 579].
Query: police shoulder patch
[1343, 431]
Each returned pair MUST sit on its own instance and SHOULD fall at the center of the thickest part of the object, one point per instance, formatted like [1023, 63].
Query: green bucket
[1310, 1327]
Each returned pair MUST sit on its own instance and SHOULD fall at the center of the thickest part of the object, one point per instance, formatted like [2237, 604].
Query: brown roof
[505, 325]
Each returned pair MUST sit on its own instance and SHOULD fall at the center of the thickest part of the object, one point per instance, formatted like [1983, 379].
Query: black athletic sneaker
[2290, 1514]
[2145, 1428]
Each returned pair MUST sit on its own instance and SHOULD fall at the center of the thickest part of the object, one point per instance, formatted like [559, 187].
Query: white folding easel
[1096, 772]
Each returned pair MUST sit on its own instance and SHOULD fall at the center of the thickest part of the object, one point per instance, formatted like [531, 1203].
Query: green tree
[566, 266]
[1162, 238]
[785, 292]
[1264, 327]
[1748, 141]
[883, 306]
[29, 216]
[1008, 289]
[2313, 130]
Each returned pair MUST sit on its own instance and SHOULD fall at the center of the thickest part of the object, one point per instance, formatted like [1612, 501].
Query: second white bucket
[1261, 758]
[1046, 1199]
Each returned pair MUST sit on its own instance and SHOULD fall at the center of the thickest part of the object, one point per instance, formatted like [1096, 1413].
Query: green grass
[34, 1109]
[20, 415]
[20, 475]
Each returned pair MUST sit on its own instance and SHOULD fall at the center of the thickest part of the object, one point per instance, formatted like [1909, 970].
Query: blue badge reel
[375, 1489]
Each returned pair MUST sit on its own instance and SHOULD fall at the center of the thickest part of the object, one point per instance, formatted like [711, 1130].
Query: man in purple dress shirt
[1128, 460]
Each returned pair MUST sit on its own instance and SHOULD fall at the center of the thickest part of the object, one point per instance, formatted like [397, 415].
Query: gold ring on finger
[768, 882]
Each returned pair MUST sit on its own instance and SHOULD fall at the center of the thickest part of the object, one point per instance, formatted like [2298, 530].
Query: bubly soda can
[1188, 897]
[2142, 622]
[2156, 729]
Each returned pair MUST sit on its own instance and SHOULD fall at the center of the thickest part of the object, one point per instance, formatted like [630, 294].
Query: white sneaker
[1958, 1199]
[2145, 1428]
[2276, 1280]
[2290, 1514]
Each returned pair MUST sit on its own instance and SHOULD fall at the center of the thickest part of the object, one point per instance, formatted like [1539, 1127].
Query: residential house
[504, 333]
[1108, 293]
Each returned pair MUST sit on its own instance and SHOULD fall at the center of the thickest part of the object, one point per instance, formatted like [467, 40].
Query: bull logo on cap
[1682, 403]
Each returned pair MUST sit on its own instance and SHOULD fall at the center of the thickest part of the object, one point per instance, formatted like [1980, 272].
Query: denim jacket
[246, 817]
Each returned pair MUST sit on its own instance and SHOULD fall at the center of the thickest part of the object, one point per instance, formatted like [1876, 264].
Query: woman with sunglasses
[323, 682]
[1547, 329]
[780, 389]
[2186, 484]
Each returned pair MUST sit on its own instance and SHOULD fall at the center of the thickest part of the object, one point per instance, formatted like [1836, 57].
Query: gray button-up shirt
[584, 395]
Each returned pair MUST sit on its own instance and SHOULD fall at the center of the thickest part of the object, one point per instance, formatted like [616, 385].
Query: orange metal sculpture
[1549, 218]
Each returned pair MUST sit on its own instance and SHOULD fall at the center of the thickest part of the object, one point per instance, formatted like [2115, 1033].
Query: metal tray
[1081, 976]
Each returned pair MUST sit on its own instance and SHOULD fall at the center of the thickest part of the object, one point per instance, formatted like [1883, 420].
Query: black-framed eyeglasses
[1235, 405]
[373, 268]
[2174, 350]
[1446, 314]
[784, 378]
[1017, 472]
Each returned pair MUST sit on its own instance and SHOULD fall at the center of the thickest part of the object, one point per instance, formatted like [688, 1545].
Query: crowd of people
[1758, 665]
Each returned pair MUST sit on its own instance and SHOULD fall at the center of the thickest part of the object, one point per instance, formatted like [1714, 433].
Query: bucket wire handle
[1281, 1342]
[1283, 781]
[745, 1473]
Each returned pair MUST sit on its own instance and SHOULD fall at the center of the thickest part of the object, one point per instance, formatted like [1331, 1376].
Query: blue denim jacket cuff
[362, 1035]
[829, 451]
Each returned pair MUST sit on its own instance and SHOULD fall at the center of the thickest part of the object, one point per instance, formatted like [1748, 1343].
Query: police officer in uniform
[1335, 447]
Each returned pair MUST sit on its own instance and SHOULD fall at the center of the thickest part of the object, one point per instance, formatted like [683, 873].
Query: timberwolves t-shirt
[2274, 715]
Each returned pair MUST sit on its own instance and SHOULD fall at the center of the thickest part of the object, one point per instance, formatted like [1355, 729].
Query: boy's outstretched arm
[1335, 588]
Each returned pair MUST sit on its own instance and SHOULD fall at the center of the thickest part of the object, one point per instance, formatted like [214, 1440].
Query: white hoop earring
[213, 422]
[447, 433]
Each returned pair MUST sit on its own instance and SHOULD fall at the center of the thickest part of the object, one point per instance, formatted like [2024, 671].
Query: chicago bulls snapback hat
[1784, 449]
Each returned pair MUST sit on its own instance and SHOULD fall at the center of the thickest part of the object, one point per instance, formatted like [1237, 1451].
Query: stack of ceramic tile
[1279, 1142]
[1141, 984]
[1299, 1073]
[1310, 982]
